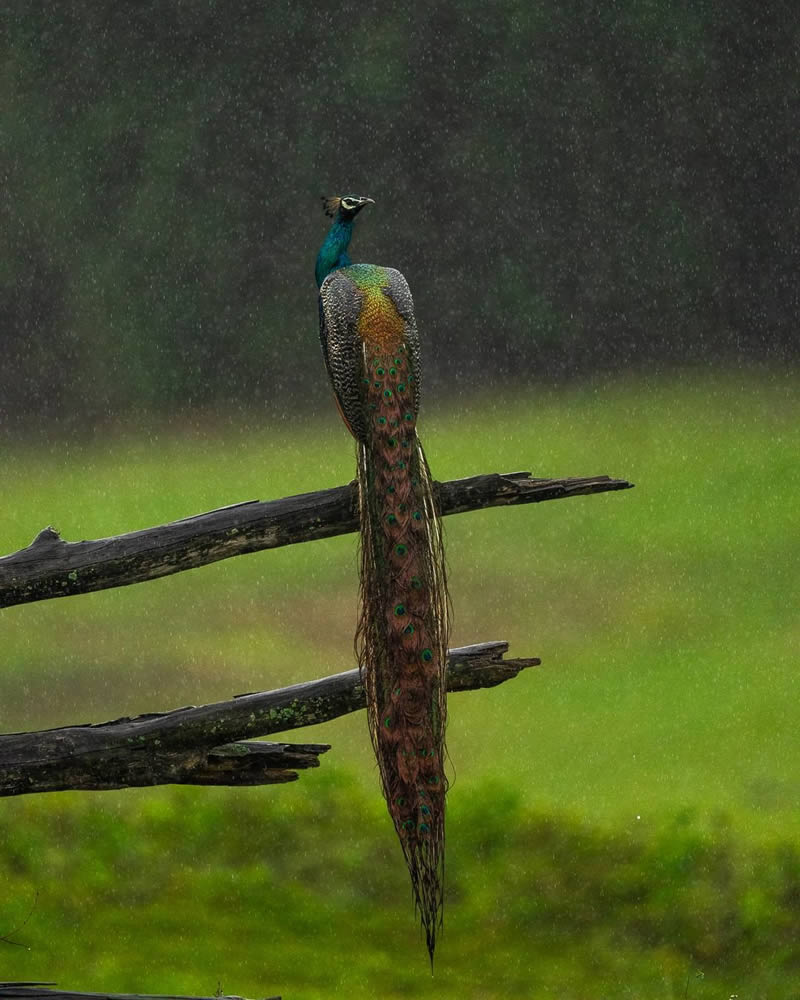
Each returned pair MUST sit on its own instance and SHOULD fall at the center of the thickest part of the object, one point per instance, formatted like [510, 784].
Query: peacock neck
[333, 252]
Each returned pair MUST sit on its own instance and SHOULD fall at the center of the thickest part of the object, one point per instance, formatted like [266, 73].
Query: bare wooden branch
[50, 567]
[209, 744]
[69, 759]
[37, 991]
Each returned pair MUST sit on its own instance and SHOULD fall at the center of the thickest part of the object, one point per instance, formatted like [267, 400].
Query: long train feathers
[402, 643]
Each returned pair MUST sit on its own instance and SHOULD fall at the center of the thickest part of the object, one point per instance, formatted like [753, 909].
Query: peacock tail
[402, 630]
[371, 350]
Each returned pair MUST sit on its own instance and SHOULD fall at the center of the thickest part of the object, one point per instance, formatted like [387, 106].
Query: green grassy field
[620, 818]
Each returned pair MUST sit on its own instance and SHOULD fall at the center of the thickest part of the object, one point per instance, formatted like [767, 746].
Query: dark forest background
[567, 186]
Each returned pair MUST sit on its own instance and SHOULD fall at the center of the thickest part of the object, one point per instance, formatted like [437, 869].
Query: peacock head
[345, 208]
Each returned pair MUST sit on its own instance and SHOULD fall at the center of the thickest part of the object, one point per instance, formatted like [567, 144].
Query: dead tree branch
[211, 744]
[50, 567]
[37, 991]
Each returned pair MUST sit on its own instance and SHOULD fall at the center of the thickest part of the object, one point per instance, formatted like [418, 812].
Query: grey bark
[211, 744]
[50, 567]
[37, 991]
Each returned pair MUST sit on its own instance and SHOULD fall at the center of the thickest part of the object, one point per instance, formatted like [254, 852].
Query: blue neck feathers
[333, 252]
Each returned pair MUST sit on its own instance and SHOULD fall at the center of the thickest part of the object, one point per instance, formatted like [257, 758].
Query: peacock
[371, 350]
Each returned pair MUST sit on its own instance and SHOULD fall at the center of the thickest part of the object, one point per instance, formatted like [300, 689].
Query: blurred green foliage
[301, 891]
[566, 186]
[621, 818]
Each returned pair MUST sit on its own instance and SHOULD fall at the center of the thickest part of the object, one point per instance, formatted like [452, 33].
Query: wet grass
[302, 892]
[667, 621]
